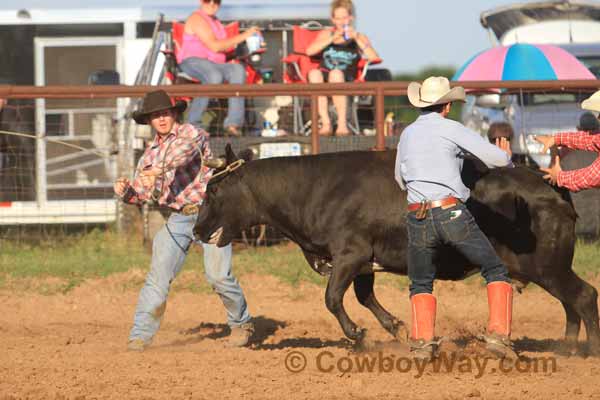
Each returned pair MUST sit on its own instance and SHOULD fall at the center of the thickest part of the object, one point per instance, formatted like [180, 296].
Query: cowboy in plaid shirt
[171, 173]
[584, 178]
[175, 163]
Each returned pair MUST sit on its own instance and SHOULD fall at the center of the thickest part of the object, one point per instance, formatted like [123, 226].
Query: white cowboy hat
[592, 103]
[434, 90]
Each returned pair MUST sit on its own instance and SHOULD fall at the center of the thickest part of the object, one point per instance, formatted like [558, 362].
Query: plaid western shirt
[182, 179]
[584, 178]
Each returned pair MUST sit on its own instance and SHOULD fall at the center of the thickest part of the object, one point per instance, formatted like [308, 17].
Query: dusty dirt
[72, 346]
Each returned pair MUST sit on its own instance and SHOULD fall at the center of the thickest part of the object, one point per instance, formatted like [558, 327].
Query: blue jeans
[169, 250]
[456, 227]
[209, 72]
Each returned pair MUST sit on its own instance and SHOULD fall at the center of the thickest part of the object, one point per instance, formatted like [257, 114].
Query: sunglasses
[217, 2]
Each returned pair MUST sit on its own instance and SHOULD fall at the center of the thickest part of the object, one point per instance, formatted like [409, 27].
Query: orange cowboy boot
[497, 338]
[421, 341]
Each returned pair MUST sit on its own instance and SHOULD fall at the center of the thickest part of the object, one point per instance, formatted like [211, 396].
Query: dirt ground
[72, 346]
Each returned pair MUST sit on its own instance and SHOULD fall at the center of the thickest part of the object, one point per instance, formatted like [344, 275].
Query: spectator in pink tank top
[202, 56]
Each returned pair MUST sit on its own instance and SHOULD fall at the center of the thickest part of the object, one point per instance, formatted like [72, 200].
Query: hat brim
[414, 96]
[591, 105]
[142, 117]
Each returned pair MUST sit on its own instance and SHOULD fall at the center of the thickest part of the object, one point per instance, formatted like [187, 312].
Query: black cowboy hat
[157, 100]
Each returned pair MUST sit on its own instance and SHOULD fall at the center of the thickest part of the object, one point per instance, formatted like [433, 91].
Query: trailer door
[65, 173]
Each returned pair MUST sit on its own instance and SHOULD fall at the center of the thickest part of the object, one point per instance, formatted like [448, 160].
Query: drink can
[254, 43]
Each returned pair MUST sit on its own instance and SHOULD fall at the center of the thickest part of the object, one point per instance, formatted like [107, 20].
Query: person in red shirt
[579, 179]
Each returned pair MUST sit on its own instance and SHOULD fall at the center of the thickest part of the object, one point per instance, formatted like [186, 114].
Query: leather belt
[448, 201]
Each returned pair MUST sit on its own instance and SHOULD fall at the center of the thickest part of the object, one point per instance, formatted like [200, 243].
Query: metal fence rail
[377, 89]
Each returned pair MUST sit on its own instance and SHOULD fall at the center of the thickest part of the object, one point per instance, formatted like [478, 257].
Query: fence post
[41, 178]
[314, 123]
[379, 118]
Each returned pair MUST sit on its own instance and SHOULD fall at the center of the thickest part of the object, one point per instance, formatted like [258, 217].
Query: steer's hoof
[359, 334]
[568, 348]
[593, 350]
[401, 332]
[366, 343]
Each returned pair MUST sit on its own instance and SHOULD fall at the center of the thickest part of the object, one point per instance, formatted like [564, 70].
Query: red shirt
[584, 178]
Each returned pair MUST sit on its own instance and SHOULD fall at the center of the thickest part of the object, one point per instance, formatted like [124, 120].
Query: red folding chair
[299, 64]
[173, 72]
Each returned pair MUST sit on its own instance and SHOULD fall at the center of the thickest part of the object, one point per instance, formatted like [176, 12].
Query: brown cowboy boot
[422, 345]
[497, 338]
[137, 345]
[240, 335]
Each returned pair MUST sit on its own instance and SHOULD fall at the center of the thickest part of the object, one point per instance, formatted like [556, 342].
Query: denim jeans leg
[217, 268]
[235, 74]
[464, 234]
[420, 254]
[168, 256]
[207, 72]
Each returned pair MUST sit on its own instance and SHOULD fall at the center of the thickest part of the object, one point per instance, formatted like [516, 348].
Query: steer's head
[225, 211]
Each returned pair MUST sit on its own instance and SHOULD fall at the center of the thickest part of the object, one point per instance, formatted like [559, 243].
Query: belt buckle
[190, 209]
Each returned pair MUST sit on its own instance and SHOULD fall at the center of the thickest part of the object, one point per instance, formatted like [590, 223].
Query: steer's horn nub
[215, 162]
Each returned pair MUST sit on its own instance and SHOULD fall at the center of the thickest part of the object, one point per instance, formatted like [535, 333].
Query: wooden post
[314, 120]
[380, 118]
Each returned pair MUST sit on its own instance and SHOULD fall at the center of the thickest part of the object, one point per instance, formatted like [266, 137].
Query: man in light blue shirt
[428, 165]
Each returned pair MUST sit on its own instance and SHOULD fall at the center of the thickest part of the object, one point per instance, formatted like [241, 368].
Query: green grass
[96, 254]
[587, 259]
[62, 264]
[285, 262]
[59, 265]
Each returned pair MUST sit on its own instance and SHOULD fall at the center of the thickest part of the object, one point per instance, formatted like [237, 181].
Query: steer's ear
[229, 154]
[246, 155]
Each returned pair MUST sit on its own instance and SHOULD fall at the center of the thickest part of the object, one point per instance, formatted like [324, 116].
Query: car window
[534, 99]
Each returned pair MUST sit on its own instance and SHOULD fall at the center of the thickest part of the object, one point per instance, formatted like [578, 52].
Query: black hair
[588, 122]
[438, 108]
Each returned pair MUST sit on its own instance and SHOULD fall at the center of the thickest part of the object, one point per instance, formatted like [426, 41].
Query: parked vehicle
[569, 25]
[529, 114]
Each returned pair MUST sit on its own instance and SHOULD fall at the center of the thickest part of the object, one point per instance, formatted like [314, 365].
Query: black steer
[346, 211]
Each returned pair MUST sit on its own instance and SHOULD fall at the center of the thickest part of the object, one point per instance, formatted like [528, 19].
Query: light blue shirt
[430, 157]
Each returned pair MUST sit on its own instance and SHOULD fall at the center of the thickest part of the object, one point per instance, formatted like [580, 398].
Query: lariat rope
[156, 193]
[98, 153]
